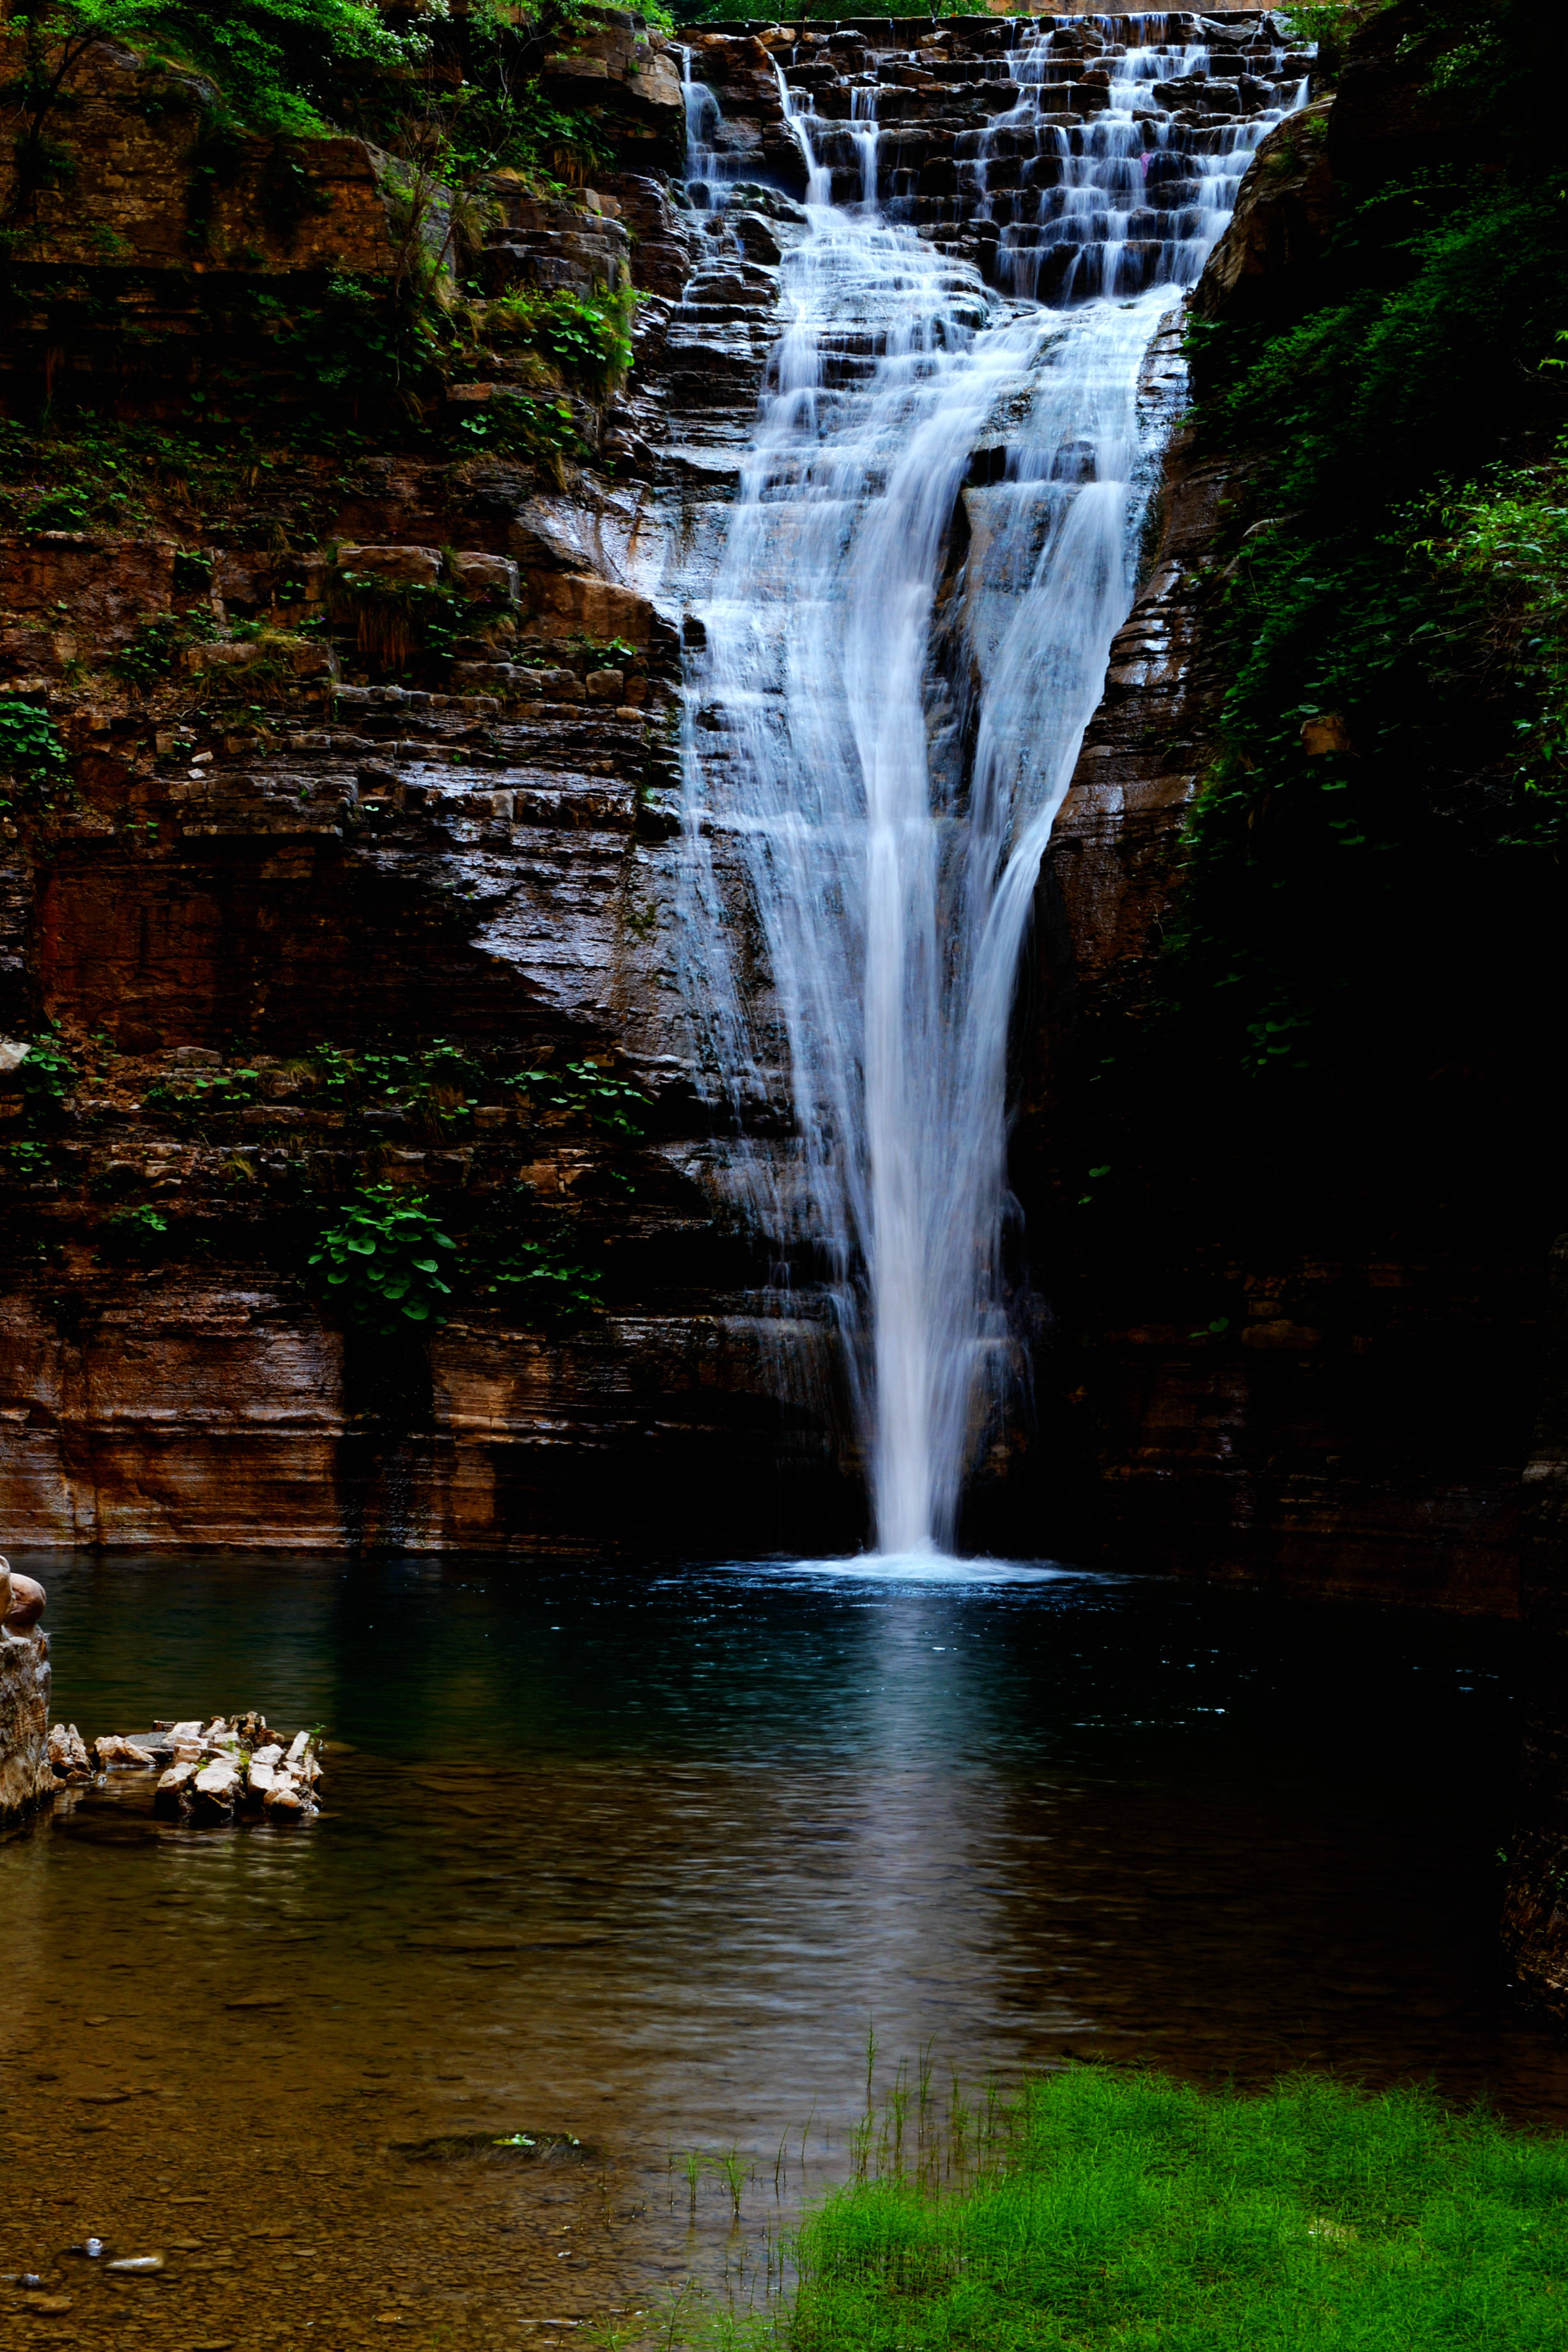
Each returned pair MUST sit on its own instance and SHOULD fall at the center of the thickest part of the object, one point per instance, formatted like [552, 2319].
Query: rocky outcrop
[26, 1777]
[1284, 211]
[141, 192]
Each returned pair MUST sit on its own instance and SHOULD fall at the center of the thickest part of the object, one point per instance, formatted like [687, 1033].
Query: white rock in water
[191, 1730]
[178, 1775]
[113, 1749]
[297, 1752]
[137, 2264]
[283, 1797]
[189, 1752]
[271, 1755]
[260, 1777]
[215, 1728]
[217, 1781]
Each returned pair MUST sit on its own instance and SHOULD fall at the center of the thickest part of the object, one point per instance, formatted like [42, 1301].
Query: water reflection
[641, 1859]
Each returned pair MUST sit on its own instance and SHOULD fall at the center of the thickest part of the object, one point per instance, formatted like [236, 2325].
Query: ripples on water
[640, 1857]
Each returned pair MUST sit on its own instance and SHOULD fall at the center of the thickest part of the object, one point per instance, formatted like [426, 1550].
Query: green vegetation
[448, 96]
[582, 1090]
[533, 1280]
[394, 620]
[1337, 1033]
[1396, 609]
[588, 339]
[204, 1095]
[135, 1234]
[740, 11]
[157, 645]
[47, 1075]
[380, 1261]
[32, 757]
[1101, 2210]
[281, 65]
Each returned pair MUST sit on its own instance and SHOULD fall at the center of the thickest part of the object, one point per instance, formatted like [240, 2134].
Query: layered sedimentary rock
[265, 854]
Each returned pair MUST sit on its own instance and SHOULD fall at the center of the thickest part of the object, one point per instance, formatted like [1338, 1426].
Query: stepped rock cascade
[933, 543]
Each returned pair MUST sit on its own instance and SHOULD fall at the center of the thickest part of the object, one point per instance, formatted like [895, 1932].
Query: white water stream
[896, 678]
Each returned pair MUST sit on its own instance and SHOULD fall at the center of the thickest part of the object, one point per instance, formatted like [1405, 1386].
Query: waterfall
[932, 544]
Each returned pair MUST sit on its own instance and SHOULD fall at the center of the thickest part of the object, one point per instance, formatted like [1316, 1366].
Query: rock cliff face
[1338, 1400]
[270, 865]
[310, 914]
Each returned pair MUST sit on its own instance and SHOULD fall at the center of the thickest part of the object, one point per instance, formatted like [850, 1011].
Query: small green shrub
[380, 1261]
[31, 1161]
[214, 1094]
[157, 645]
[69, 509]
[47, 1075]
[435, 1085]
[135, 1234]
[31, 754]
[589, 336]
[396, 621]
[534, 1280]
[518, 425]
[583, 1090]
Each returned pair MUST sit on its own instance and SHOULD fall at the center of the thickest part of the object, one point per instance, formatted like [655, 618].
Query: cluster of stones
[206, 1772]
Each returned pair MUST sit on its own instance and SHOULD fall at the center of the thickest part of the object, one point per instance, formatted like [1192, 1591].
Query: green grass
[1132, 2211]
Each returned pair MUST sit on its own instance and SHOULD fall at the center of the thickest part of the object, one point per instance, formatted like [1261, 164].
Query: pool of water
[643, 1858]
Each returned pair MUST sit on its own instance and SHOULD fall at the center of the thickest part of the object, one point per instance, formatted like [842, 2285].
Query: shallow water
[640, 1857]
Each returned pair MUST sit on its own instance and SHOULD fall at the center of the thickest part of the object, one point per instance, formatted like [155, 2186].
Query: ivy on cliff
[1392, 777]
[280, 65]
[33, 759]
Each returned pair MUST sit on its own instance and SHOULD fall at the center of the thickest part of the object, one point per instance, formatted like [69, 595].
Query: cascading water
[894, 679]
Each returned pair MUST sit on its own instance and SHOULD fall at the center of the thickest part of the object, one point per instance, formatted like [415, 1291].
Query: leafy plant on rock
[380, 1261]
[583, 1090]
[135, 1234]
[536, 1282]
[31, 752]
[588, 336]
[47, 1075]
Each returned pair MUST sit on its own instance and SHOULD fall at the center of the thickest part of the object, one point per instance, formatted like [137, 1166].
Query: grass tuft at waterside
[1101, 2209]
